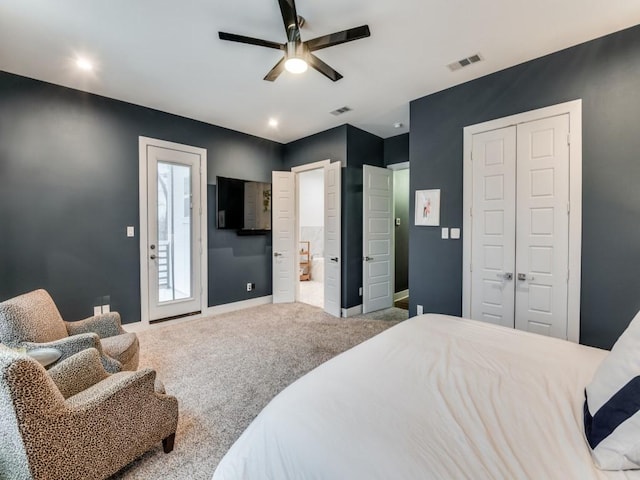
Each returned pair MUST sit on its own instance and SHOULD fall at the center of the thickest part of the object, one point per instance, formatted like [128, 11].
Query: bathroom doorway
[311, 236]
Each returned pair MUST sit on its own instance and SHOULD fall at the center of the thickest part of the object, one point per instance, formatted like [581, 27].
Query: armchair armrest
[105, 325]
[78, 372]
[76, 343]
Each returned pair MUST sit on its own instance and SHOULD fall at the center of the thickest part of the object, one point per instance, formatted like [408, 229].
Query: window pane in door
[174, 232]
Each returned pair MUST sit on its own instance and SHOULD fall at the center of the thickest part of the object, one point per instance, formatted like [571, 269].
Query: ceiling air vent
[340, 111]
[465, 62]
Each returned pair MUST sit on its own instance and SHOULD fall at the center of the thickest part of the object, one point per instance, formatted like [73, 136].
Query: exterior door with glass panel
[173, 232]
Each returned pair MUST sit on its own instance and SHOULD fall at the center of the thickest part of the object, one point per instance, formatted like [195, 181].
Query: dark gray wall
[363, 148]
[396, 149]
[328, 145]
[604, 73]
[69, 173]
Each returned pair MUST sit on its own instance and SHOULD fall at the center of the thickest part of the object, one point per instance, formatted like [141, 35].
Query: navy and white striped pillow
[612, 405]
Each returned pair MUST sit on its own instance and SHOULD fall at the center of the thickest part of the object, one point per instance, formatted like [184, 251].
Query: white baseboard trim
[350, 312]
[232, 307]
[399, 295]
[215, 310]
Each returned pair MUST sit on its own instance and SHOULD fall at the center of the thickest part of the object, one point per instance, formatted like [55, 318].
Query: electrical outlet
[360, 291]
[419, 310]
[105, 309]
[97, 310]
[253, 286]
[249, 287]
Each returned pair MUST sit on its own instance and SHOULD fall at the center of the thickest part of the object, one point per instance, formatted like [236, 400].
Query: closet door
[542, 234]
[493, 226]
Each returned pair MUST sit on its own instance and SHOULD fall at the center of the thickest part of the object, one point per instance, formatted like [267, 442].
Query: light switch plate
[397, 222]
[419, 310]
[455, 233]
[131, 231]
[445, 233]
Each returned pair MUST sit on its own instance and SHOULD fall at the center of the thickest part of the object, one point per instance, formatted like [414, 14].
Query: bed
[435, 397]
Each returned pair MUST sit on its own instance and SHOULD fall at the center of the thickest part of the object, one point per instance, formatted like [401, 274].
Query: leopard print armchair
[76, 421]
[32, 321]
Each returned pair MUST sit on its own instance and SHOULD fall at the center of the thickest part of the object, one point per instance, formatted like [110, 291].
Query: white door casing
[549, 203]
[285, 253]
[493, 223]
[377, 239]
[187, 262]
[332, 239]
[542, 236]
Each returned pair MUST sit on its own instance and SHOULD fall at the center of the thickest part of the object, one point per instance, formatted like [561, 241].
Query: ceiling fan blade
[275, 71]
[338, 38]
[290, 19]
[323, 68]
[232, 37]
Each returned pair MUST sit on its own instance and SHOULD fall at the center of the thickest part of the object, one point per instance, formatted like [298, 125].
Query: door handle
[334, 259]
[277, 254]
[367, 258]
[152, 257]
[523, 277]
[506, 275]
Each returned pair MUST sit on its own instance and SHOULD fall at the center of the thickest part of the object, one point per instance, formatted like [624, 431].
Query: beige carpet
[224, 369]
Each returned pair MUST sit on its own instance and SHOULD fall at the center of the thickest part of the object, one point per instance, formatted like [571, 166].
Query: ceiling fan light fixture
[296, 65]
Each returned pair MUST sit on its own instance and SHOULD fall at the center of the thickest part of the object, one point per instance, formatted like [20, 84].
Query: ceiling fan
[298, 54]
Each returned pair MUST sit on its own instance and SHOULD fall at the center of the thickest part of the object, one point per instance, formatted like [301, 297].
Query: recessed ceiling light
[84, 64]
[273, 122]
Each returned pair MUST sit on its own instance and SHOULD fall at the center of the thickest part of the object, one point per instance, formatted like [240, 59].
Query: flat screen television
[243, 205]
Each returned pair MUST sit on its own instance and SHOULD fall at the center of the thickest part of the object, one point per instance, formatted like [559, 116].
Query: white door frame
[394, 167]
[574, 109]
[299, 169]
[143, 144]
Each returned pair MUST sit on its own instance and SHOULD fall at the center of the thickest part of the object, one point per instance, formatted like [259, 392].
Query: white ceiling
[165, 54]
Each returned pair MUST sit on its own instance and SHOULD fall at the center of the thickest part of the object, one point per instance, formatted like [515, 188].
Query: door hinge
[568, 207]
[568, 275]
[568, 139]
[472, 155]
[471, 267]
[471, 211]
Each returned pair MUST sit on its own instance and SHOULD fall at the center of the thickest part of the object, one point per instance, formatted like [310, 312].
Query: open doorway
[311, 236]
[401, 200]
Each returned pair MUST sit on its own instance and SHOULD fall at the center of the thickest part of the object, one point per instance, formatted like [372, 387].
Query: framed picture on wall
[428, 208]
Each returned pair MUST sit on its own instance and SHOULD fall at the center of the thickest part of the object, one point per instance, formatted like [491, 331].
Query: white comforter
[435, 397]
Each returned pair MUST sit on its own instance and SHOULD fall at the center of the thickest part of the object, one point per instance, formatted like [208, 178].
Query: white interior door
[493, 248]
[542, 236]
[173, 240]
[377, 239]
[285, 254]
[332, 239]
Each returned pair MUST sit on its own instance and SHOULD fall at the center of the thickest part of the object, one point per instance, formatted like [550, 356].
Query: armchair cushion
[124, 348]
[78, 372]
